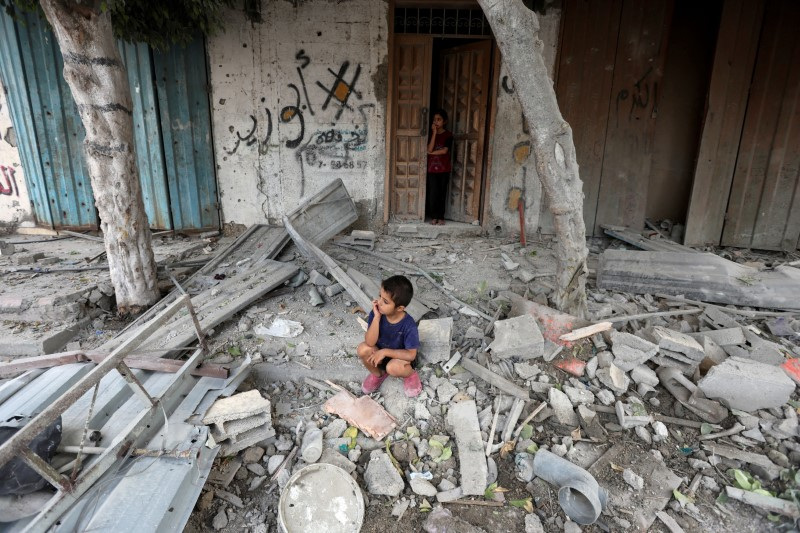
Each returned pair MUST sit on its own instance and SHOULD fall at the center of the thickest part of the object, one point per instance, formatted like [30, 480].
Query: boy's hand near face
[375, 308]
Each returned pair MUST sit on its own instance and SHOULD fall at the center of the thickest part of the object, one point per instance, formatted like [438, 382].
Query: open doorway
[434, 69]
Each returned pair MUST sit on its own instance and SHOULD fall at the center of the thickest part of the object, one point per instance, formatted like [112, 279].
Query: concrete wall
[298, 101]
[513, 172]
[15, 206]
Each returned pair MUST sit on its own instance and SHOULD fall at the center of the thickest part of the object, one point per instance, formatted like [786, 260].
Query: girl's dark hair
[441, 112]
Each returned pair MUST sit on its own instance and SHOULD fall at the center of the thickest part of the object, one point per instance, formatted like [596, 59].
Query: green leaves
[527, 432]
[681, 498]
[234, 351]
[747, 482]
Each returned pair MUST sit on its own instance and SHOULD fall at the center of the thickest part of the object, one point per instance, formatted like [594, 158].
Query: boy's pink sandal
[372, 383]
[412, 385]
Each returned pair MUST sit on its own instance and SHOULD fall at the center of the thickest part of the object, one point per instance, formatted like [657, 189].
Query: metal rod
[201, 338]
[19, 442]
[134, 383]
[44, 469]
[137, 452]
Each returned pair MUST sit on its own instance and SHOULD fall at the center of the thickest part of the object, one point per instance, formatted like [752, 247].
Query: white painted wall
[15, 205]
[513, 166]
[287, 116]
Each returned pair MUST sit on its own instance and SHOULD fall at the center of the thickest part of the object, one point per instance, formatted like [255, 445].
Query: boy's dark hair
[441, 112]
[400, 289]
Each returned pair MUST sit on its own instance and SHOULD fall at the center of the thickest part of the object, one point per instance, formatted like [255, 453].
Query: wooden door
[464, 93]
[762, 209]
[411, 87]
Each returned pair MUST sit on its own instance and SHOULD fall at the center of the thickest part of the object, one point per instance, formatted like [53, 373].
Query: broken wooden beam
[588, 331]
[767, 503]
[493, 379]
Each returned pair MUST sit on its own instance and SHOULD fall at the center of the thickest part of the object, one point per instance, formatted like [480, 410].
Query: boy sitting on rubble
[391, 342]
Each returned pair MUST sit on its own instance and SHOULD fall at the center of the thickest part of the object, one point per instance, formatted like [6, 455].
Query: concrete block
[518, 336]
[24, 259]
[238, 406]
[463, 418]
[685, 368]
[614, 378]
[627, 358]
[247, 439]
[6, 248]
[49, 260]
[381, 477]
[562, 408]
[318, 279]
[231, 429]
[723, 337]
[434, 339]
[677, 342]
[620, 338]
[644, 374]
[747, 385]
[579, 395]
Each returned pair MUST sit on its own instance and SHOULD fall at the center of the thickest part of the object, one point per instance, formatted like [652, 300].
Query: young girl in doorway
[440, 145]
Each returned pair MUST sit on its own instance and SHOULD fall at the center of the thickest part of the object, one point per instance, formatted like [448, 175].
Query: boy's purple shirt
[401, 336]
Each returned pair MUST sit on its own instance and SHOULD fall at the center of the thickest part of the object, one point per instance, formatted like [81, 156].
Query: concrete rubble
[509, 394]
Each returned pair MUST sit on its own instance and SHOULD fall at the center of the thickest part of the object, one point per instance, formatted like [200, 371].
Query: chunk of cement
[614, 378]
[627, 358]
[620, 338]
[463, 418]
[518, 336]
[724, 337]
[381, 477]
[633, 479]
[242, 405]
[747, 385]
[562, 408]
[579, 395]
[434, 339]
[644, 374]
[677, 342]
[423, 487]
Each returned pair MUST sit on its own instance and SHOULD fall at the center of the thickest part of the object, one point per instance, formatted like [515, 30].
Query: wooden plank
[767, 503]
[762, 210]
[735, 56]
[493, 379]
[588, 331]
[40, 361]
[336, 271]
[638, 70]
[585, 74]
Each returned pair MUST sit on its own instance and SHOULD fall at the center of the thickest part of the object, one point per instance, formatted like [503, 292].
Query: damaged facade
[658, 96]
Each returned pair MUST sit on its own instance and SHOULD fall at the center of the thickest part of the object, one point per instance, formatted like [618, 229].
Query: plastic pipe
[578, 492]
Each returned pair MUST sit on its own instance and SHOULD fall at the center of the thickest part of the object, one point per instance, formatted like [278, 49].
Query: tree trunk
[98, 81]
[516, 29]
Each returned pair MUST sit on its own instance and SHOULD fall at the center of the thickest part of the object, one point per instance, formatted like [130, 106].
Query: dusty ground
[473, 270]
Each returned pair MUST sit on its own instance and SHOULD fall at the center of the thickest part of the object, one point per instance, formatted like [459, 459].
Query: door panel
[411, 84]
[464, 93]
[762, 211]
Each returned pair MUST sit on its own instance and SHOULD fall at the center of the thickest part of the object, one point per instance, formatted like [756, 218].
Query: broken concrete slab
[668, 339]
[747, 385]
[381, 476]
[495, 379]
[627, 358]
[247, 439]
[463, 418]
[659, 482]
[231, 429]
[363, 412]
[236, 407]
[518, 336]
[614, 378]
[552, 323]
[562, 407]
[723, 337]
[699, 276]
[434, 339]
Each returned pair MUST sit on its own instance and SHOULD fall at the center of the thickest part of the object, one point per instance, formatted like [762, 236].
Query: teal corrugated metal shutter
[57, 126]
[147, 134]
[181, 79]
[13, 77]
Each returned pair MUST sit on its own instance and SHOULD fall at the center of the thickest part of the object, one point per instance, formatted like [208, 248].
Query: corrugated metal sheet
[154, 493]
[147, 134]
[12, 76]
[764, 206]
[172, 129]
[182, 83]
[56, 125]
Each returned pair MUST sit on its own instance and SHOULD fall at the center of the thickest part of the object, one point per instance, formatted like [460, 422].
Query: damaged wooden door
[411, 87]
[464, 93]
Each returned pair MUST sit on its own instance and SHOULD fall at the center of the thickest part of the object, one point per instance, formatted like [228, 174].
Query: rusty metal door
[411, 87]
[464, 93]
[763, 207]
